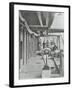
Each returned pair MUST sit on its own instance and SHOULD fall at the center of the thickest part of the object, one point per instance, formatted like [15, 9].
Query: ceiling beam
[27, 26]
[39, 28]
[47, 19]
[46, 28]
[40, 19]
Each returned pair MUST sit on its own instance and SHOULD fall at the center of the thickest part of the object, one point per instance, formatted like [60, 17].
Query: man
[53, 46]
[44, 44]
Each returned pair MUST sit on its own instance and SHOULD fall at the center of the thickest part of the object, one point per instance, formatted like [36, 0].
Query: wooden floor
[33, 68]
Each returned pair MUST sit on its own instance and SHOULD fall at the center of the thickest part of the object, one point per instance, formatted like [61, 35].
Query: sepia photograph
[39, 44]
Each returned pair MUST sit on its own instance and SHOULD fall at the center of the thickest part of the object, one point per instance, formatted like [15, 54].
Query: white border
[16, 45]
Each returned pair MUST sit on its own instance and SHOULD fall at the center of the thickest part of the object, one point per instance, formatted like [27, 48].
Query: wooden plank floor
[33, 68]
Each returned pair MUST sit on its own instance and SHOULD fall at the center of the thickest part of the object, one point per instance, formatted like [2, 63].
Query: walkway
[33, 68]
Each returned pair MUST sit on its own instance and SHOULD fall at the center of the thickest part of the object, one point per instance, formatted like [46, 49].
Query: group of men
[46, 44]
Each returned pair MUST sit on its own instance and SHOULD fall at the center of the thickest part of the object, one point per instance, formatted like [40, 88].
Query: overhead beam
[39, 17]
[45, 29]
[39, 28]
[47, 19]
[27, 26]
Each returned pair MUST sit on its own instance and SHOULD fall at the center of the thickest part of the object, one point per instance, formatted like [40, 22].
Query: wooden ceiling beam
[47, 19]
[40, 28]
[40, 19]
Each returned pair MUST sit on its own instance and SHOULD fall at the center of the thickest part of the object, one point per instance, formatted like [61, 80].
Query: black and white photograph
[41, 44]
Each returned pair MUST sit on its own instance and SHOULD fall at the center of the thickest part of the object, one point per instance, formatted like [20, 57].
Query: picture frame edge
[11, 43]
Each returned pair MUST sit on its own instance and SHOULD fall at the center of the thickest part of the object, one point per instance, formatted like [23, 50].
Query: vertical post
[32, 46]
[24, 47]
[58, 42]
[61, 64]
[37, 43]
[29, 45]
[21, 47]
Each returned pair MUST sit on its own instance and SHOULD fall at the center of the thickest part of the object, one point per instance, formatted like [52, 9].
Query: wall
[4, 45]
[28, 45]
